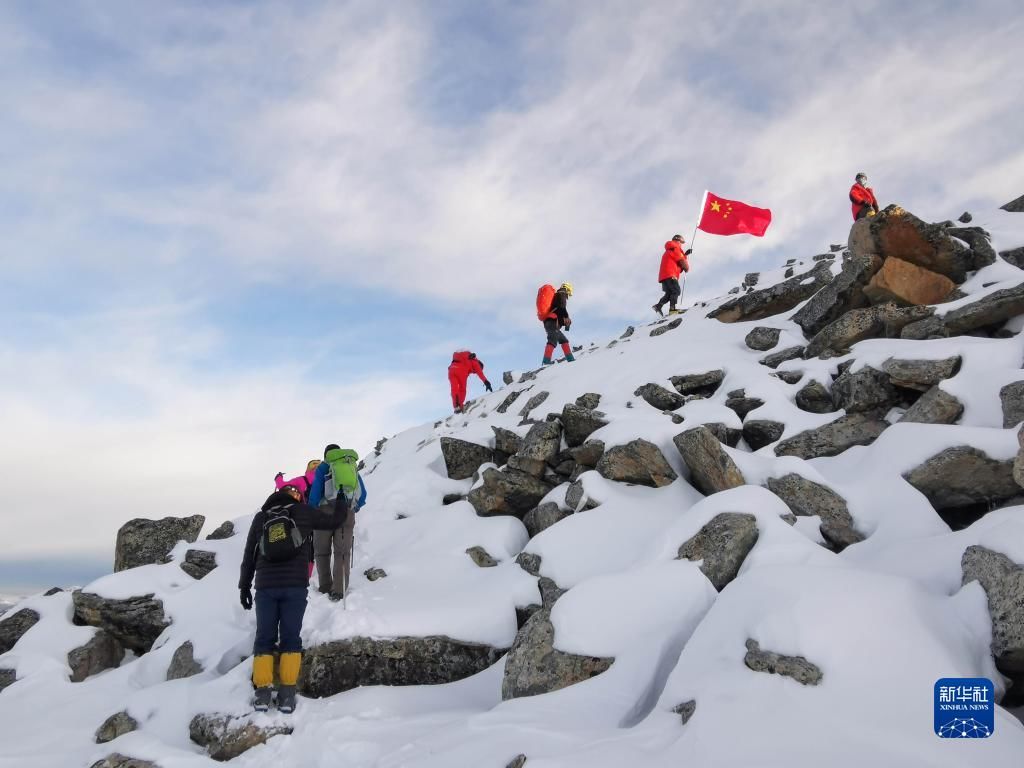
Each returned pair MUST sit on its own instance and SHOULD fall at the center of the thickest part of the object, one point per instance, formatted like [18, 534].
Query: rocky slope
[702, 533]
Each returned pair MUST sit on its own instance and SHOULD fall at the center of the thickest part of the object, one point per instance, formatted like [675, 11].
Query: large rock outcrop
[143, 542]
[639, 462]
[462, 459]
[963, 477]
[899, 234]
[844, 292]
[511, 492]
[711, 468]
[721, 545]
[534, 666]
[136, 622]
[835, 437]
[776, 299]
[342, 665]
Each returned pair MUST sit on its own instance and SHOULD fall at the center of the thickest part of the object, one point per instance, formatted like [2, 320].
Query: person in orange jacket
[673, 264]
[862, 198]
[464, 363]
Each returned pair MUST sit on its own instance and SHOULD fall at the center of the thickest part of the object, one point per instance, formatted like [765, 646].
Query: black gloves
[245, 597]
[688, 251]
[487, 386]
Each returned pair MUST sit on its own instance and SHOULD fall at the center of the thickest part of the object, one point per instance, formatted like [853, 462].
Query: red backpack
[545, 298]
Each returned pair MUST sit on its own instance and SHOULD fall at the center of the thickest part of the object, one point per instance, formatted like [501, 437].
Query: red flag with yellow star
[731, 217]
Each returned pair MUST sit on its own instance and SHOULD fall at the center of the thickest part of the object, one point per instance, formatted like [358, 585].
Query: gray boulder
[529, 562]
[725, 435]
[1003, 582]
[880, 321]
[865, 390]
[143, 542]
[666, 327]
[762, 339]
[1014, 206]
[685, 710]
[814, 397]
[639, 462]
[929, 328]
[844, 292]
[540, 446]
[343, 665]
[532, 403]
[510, 398]
[14, 625]
[658, 397]
[116, 725]
[576, 498]
[982, 253]
[805, 498]
[589, 400]
[738, 401]
[198, 563]
[225, 737]
[511, 492]
[835, 437]
[480, 557]
[795, 667]
[990, 310]
[935, 406]
[761, 432]
[775, 299]
[722, 545]
[183, 663]
[580, 423]
[223, 531]
[506, 441]
[462, 459]
[921, 375]
[1012, 397]
[543, 517]
[7, 678]
[117, 760]
[534, 666]
[1018, 462]
[374, 574]
[1014, 256]
[790, 377]
[963, 476]
[136, 622]
[711, 468]
[102, 652]
[507, 378]
[775, 359]
[698, 384]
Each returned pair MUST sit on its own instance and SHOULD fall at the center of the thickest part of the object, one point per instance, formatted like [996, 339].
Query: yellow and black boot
[289, 673]
[263, 681]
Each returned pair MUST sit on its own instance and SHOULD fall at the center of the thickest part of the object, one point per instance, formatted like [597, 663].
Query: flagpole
[693, 237]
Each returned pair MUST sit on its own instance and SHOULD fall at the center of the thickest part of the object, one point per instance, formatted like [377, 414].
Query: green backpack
[343, 462]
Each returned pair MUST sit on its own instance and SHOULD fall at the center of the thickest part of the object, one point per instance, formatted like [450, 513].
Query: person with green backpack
[277, 555]
[337, 483]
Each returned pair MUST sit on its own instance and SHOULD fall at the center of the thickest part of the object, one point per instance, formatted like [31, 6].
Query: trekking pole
[693, 238]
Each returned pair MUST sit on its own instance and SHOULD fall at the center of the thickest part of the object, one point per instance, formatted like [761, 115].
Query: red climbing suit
[463, 363]
[673, 261]
[861, 196]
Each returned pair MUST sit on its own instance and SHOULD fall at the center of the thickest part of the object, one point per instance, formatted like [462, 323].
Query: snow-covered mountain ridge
[653, 530]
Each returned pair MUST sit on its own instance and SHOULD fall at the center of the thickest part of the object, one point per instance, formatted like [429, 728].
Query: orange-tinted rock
[907, 283]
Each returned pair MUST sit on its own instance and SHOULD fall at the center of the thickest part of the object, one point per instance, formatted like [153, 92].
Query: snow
[883, 619]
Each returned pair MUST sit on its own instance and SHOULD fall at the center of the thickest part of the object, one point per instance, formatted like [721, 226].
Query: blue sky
[236, 231]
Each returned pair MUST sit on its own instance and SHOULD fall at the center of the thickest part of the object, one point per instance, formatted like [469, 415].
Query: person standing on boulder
[337, 483]
[464, 363]
[862, 198]
[553, 312]
[277, 555]
[673, 264]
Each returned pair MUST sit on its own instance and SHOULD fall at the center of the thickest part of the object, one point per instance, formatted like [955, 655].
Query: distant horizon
[22, 577]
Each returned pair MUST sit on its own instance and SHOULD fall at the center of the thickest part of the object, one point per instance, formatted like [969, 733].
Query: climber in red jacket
[464, 363]
[673, 264]
[862, 198]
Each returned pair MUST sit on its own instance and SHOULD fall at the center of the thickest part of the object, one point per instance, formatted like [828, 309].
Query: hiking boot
[546, 361]
[261, 701]
[657, 308]
[324, 590]
[335, 596]
[570, 359]
[286, 699]
[675, 311]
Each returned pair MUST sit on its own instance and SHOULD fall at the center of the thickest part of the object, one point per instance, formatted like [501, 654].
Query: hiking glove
[688, 251]
[245, 597]
[487, 386]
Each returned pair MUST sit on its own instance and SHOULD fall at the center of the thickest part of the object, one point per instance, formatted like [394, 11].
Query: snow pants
[340, 543]
[555, 335]
[457, 380]
[670, 286]
[279, 612]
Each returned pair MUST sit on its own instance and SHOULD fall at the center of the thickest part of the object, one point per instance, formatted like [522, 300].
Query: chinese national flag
[730, 217]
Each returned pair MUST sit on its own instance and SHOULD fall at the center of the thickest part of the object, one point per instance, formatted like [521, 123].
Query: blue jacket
[316, 493]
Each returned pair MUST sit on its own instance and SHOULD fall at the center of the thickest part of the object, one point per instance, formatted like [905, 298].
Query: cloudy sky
[235, 231]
